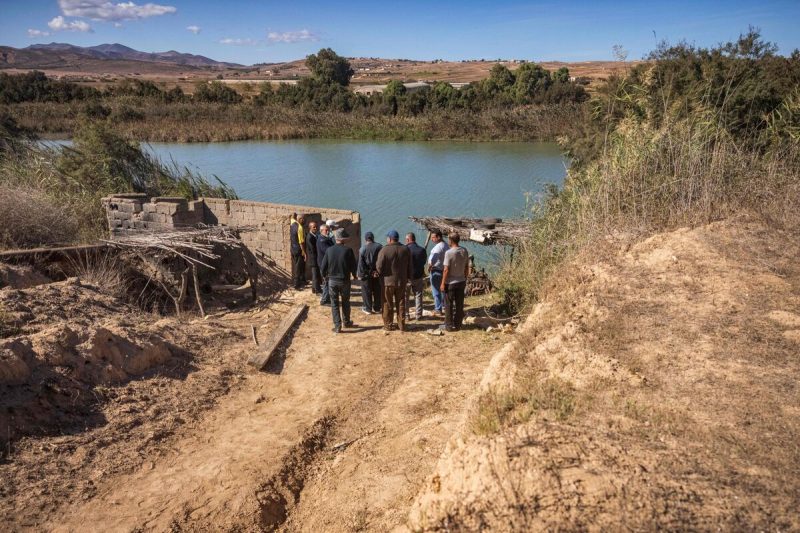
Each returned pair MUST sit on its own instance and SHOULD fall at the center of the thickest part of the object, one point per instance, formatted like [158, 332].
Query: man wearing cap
[436, 269]
[394, 268]
[297, 242]
[368, 274]
[324, 241]
[338, 265]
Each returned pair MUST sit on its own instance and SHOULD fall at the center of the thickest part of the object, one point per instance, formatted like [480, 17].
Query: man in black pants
[368, 274]
[338, 265]
[297, 242]
[454, 283]
[311, 253]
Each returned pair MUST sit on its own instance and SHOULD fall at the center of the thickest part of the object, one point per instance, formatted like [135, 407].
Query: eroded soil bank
[656, 387]
[134, 422]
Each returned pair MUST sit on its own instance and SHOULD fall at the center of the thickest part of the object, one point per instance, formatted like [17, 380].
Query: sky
[268, 31]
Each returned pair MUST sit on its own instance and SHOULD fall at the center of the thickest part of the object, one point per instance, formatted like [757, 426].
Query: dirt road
[338, 435]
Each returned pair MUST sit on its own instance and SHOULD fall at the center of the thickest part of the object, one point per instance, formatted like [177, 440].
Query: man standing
[436, 269]
[338, 264]
[454, 282]
[417, 282]
[311, 253]
[324, 241]
[368, 274]
[394, 267]
[297, 241]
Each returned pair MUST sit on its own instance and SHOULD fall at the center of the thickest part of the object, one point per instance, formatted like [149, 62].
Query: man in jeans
[338, 265]
[454, 282]
[297, 245]
[368, 274]
[436, 269]
[394, 267]
[417, 281]
[324, 241]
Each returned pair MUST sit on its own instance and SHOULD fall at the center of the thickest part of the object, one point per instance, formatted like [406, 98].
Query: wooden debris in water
[486, 231]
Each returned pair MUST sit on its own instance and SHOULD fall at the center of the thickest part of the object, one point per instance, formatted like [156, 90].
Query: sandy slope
[673, 403]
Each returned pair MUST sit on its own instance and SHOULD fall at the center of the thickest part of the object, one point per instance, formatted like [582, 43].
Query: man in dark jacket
[394, 267]
[311, 253]
[338, 264]
[417, 282]
[324, 241]
[368, 274]
[297, 245]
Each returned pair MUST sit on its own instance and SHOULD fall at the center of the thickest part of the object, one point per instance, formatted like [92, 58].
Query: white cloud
[238, 42]
[194, 29]
[117, 24]
[37, 33]
[110, 11]
[60, 24]
[291, 36]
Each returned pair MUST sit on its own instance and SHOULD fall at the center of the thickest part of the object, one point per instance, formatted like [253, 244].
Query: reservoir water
[385, 181]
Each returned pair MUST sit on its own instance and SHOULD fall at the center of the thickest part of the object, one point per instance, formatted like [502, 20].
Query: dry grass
[103, 270]
[30, 217]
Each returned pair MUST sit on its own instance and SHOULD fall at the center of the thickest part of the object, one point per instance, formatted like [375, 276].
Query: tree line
[327, 89]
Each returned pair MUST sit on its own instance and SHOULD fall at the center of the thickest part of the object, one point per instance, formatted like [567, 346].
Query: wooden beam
[260, 358]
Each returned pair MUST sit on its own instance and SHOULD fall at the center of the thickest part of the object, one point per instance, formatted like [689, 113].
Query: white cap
[330, 222]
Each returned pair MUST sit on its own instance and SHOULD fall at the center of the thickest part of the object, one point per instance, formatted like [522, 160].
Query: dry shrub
[103, 270]
[530, 394]
[29, 217]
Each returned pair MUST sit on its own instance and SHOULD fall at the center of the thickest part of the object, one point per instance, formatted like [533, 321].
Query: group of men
[390, 274]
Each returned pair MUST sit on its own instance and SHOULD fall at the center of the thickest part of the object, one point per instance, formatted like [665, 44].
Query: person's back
[418, 260]
[339, 262]
[456, 259]
[368, 259]
[394, 264]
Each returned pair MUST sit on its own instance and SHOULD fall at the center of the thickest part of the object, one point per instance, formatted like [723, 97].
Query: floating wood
[486, 231]
[260, 358]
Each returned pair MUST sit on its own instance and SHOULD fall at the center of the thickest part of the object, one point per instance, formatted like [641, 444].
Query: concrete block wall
[267, 224]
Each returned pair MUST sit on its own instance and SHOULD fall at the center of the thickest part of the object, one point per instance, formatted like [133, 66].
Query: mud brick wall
[271, 224]
[268, 223]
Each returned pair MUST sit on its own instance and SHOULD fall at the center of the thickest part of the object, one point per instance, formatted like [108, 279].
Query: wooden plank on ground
[261, 356]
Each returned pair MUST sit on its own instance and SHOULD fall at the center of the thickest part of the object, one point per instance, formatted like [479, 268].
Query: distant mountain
[64, 56]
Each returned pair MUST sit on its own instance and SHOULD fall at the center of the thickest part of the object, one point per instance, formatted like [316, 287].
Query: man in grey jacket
[368, 274]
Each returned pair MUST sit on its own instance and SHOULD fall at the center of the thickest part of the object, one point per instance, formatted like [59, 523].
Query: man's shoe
[324, 302]
[349, 324]
[366, 311]
[337, 330]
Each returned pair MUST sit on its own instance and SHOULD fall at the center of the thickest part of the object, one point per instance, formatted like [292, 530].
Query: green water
[385, 181]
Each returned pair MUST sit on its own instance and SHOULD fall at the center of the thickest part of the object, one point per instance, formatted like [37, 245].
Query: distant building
[369, 90]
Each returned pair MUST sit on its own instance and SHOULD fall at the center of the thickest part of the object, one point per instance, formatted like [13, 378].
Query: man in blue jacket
[368, 274]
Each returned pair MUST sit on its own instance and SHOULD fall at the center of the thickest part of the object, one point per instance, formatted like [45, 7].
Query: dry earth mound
[655, 388]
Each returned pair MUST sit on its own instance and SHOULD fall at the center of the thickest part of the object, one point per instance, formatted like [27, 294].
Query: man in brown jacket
[394, 267]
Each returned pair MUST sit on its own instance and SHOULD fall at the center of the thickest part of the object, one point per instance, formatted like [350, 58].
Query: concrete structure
[266, 224]
[368, 90]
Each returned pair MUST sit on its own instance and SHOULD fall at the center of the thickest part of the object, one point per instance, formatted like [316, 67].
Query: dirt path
[340, 434]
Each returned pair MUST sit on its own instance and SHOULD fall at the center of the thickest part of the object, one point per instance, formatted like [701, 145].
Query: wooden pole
[197, 294]
[260, 358]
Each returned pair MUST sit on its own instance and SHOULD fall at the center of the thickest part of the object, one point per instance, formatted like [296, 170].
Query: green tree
[394, 88]
[216, 92]
[329, 67]
[501, 77]
[561, 75]
[532, 80]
